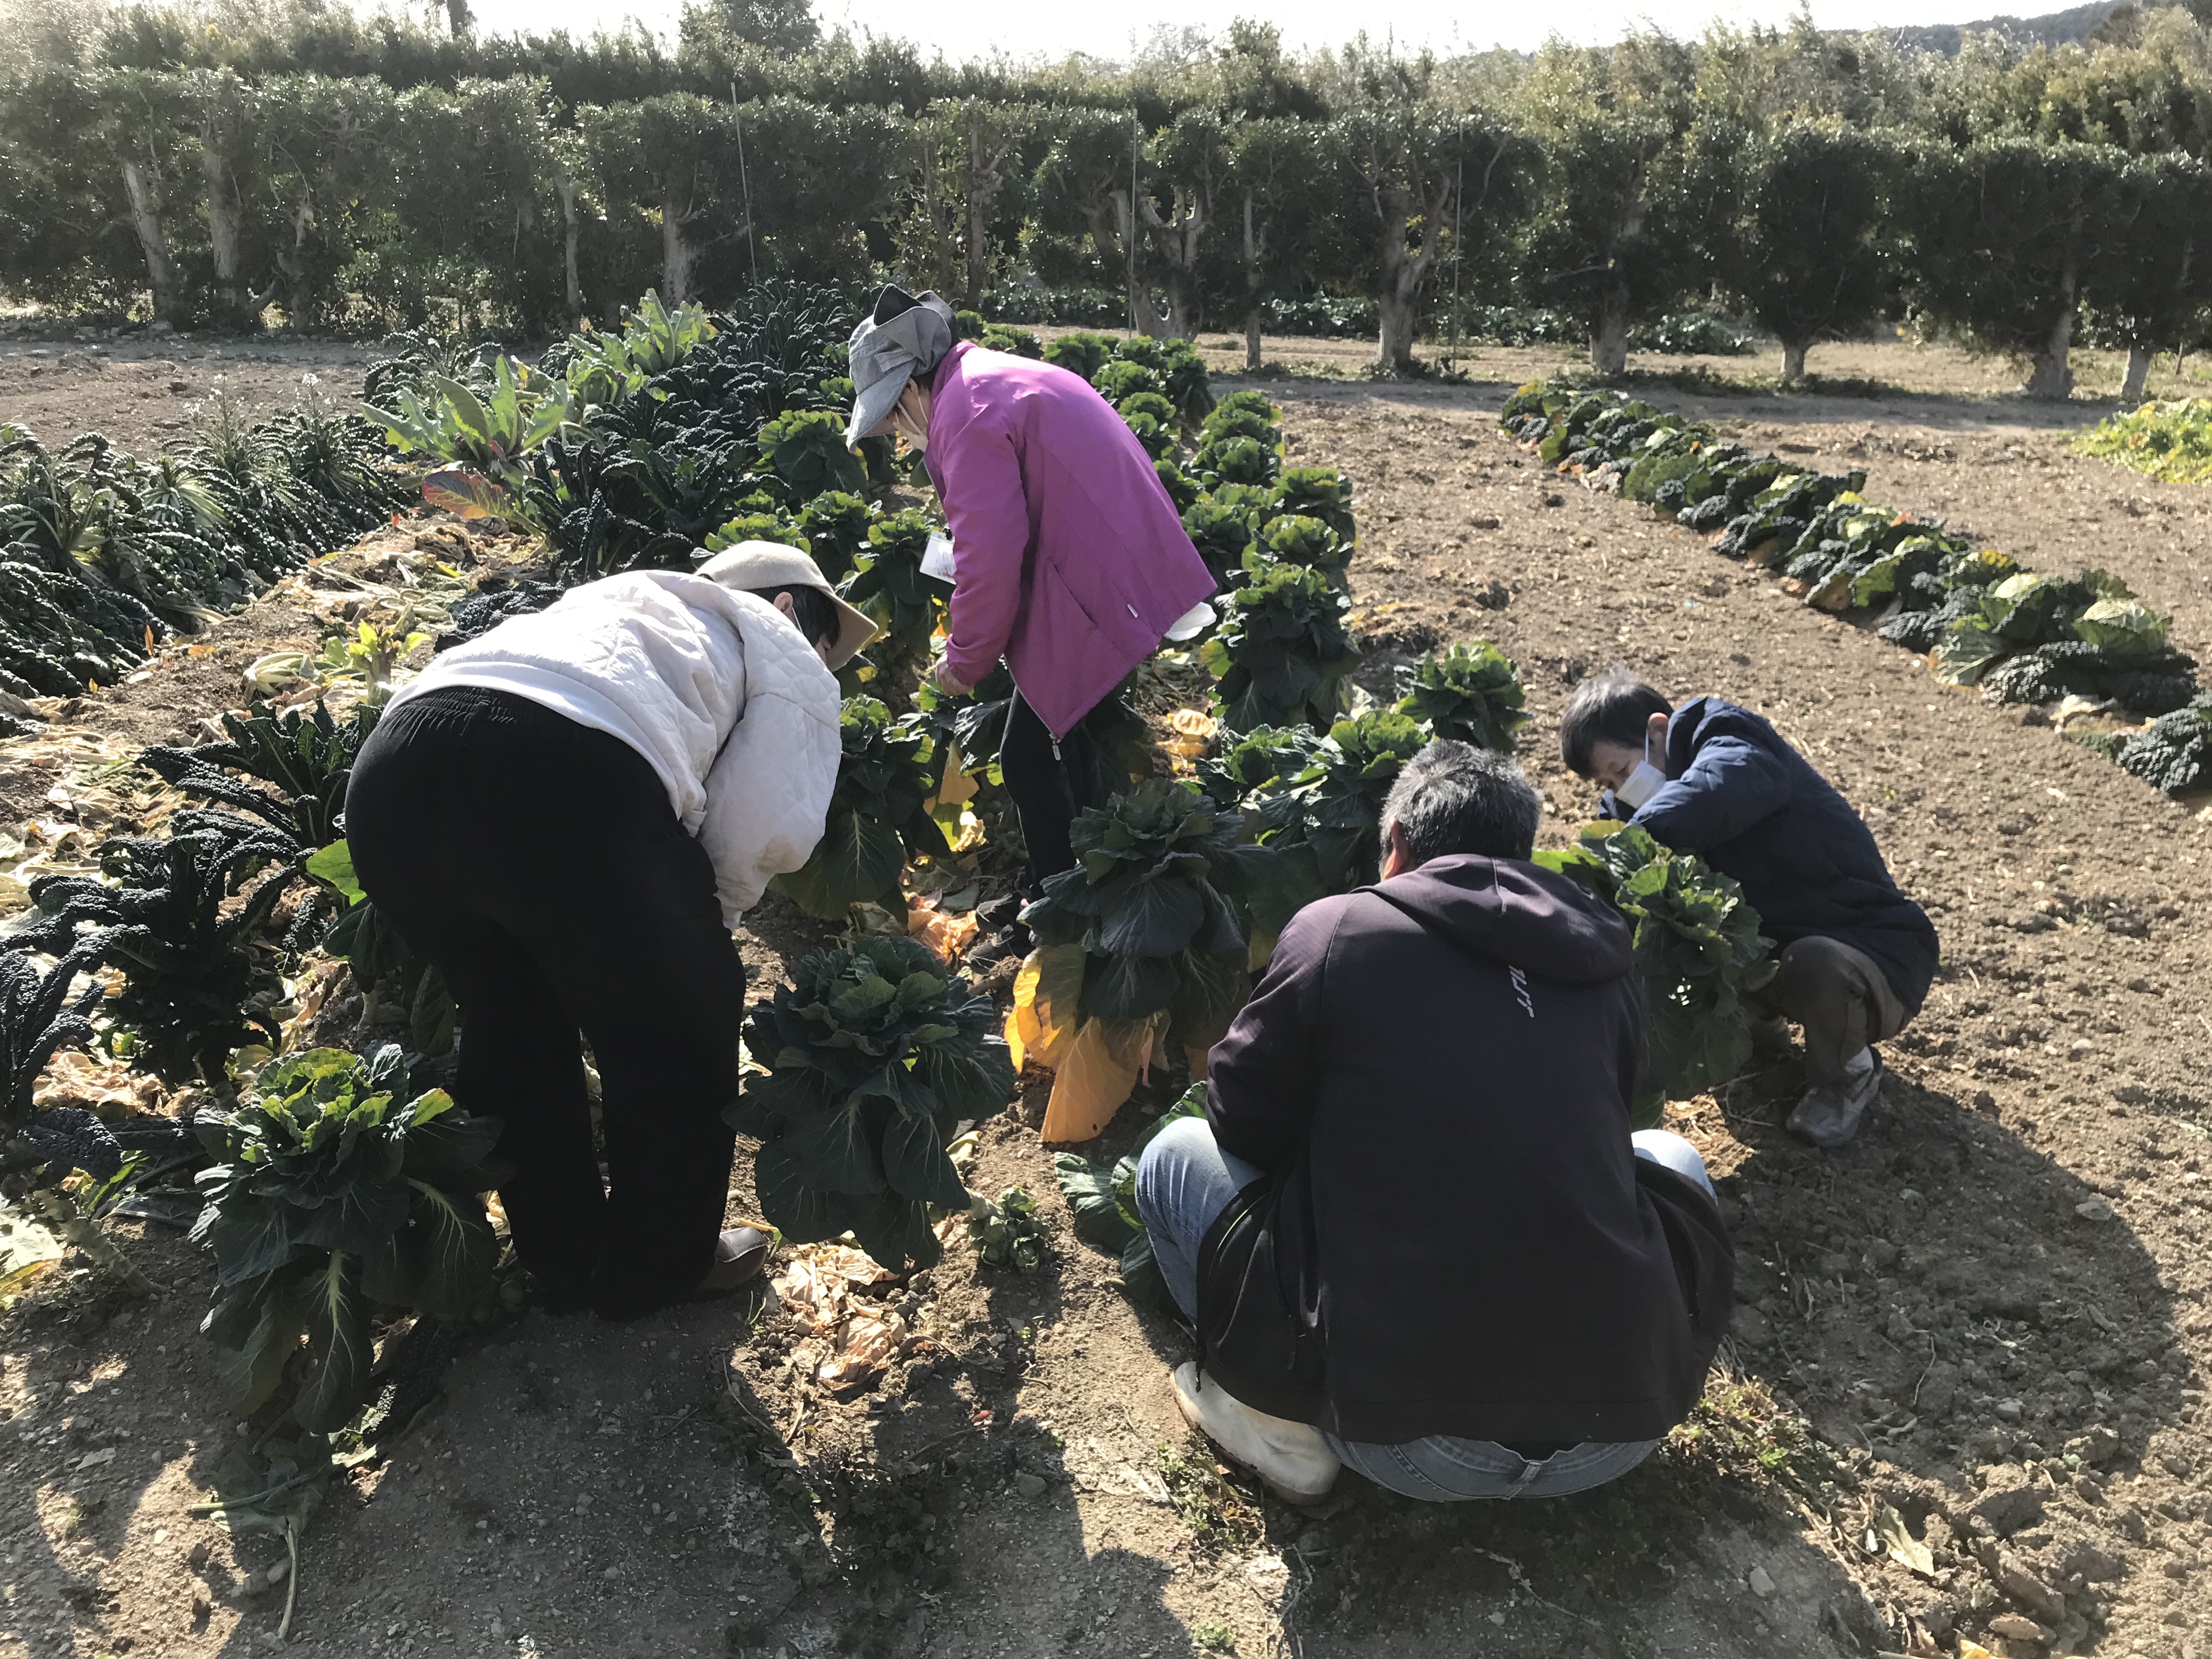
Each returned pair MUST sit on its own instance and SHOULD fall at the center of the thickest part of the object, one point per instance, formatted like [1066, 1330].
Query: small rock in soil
[2009, 1509]
[1029, 1486]
[2014, 1628]
[1761, 1582]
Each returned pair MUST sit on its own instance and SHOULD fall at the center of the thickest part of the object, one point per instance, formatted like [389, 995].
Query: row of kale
[1982, 618]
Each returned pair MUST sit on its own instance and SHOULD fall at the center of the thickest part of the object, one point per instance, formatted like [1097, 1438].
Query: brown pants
[1841, 997]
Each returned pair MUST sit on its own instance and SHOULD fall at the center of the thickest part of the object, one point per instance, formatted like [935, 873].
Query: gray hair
[1454, 798]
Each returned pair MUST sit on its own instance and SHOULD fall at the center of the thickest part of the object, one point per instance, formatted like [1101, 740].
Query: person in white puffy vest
[568, 815]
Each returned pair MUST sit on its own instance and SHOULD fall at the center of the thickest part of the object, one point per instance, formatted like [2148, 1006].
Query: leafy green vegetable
[875, 1055]
[806, 450]
[1282, 654]
[1081, 353]
[1222, 531]
[1698, 951]
[2175, 752]
[1150, 904]
[1472, 694]
[1101, 1201]
[1316, 492]
[309, 757]
[196, 984]
[38, 1020]
[519, 410]
[888, 585]
[1296, 540]
[330, 1197]
[835, 525]
[879, 816]
[1006, 1234]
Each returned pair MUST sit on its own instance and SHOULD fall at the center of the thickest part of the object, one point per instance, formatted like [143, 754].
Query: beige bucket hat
[753, 567]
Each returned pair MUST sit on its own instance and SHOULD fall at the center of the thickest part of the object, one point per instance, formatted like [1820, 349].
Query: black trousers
[539, 864]
[1051, 782]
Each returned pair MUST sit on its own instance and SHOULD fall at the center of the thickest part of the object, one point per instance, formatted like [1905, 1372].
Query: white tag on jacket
[937, 557]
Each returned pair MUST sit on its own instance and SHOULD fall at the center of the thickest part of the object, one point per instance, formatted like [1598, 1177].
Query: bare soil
[1987, 1317]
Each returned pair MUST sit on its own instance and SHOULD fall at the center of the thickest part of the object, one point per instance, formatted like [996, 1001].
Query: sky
[975, 28]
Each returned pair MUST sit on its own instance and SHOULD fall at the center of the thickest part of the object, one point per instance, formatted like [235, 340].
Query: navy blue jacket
[1750, 806]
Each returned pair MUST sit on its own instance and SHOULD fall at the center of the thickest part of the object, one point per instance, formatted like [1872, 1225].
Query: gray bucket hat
[906, 334]
[753, 567]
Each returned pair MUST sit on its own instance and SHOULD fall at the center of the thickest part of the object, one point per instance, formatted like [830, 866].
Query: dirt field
[1991, 1310]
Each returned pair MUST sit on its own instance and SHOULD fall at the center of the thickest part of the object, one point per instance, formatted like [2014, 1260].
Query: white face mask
[1643, 783]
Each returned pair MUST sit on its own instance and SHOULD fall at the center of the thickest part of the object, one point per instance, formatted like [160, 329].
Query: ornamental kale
[805, 448]
[888, 585]
[1281, 654]
[1471, 694]
[879, 816]
[1143, 933]
[1698, 952]
[875, 1054]
[331, 1198]
[1316, 492]
[1296, 540]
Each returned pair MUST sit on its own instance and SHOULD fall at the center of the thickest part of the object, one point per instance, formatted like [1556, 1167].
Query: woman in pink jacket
[1069, 560]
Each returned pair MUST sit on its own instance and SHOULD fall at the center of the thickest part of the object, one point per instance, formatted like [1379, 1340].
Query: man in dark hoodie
[1413, 1230]
[1716, 780]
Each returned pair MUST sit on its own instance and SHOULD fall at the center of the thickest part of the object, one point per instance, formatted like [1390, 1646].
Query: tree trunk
[459, 17]
[225, 216]
[677, 256]
[1401, 321]
[571, 228]
[146, 220]
[2131, 389]
[1251, 290]
[2049, 375]
[984, 183]
[1394, 349]
[1793, 361]
[1609, 338]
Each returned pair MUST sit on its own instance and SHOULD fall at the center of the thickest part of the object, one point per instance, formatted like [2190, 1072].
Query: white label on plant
[937, 557]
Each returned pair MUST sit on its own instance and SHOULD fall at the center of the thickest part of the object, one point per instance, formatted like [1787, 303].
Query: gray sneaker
[1830, 1113]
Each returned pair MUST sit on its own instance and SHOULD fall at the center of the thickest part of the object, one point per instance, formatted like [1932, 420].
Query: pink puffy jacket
[1069, 560]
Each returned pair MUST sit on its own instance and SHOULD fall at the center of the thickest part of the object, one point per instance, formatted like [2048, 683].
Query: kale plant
[307, 758]
[196, 983]
[338, 1191]
[876, 1053]
[1102, 1202]
[805, 448]
[37, 1021]
[1471, 694]
[1698, 952]
[1281, 654]
[1148, 919]
[888, 585]
[879, 816]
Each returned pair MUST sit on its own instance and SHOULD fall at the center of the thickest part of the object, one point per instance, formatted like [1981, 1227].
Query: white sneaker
[1291, 1459]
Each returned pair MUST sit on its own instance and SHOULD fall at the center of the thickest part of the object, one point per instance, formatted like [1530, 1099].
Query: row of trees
[2021, 200]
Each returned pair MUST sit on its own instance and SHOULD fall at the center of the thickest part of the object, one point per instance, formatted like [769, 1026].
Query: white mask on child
[1643, 783]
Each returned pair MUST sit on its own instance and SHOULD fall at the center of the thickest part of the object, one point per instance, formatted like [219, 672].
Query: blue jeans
[1184, 1180]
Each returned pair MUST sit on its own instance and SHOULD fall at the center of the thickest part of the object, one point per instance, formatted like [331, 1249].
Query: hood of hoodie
[1546, 924]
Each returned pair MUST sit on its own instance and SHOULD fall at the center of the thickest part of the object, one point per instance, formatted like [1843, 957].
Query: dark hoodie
[1752, 807]
[1455, 1237]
